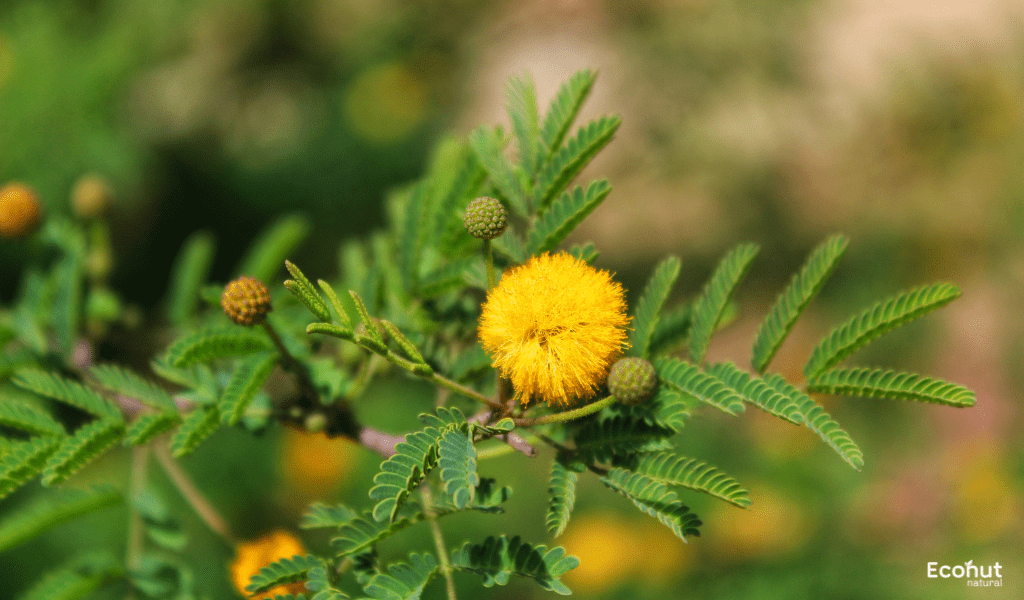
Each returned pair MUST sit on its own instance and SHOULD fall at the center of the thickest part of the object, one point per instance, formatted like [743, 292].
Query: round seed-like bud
[20, 211]
[246, 301]
[91, 197]
[486, 218]
[632, 380]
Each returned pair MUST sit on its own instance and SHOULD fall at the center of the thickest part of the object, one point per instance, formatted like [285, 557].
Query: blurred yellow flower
[773, 527]
[553, 327]
[252, 556]
[385, 104]
[986, 504]
[313, 465]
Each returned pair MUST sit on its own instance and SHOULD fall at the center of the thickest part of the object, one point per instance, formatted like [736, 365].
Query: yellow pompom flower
[252, 556]
[553, 326]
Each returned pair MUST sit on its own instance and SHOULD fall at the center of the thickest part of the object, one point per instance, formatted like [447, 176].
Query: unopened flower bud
[91, 197]
[246, 301]
[632, 380]
[486, 218]
[20, 211]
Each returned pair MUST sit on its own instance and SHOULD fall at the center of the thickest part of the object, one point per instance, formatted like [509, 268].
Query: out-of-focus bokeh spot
[774, 528]
[313, 466]
[385, 103]
[986, 503]
[251, 556]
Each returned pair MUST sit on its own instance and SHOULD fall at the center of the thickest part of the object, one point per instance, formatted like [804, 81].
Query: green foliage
[147, 427]
[268, 252]
[399, 475]
[563, 497]
[522, 111]
[711, 306]
[285, 570]
[457, 463]
[339, 310]
[694, 474]
[321, 516]
[671, 330]
[604, 440]
[755, 391]
[302, 289]
[819, 421]
[404, 581]
[52, 510]
[498, 558]
[565, 215]
[487, 143]
[804, 286]
[19, 415]
[24, 460]
[87, 444]
[655, 499]
[874, 321]
[882, 383]
[361, 533]
[69, 392]
[246, 380]
[191, 269]
[667, 409]
[79, 578]
[127, 383]
[648, 307]
[198, 425]
[705, 387]
[564, 107]
[567, 163]
[211, 344]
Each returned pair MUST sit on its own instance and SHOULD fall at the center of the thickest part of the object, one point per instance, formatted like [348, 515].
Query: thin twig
[568, 415]
[191, 493]
[442, 549]
[462, 390]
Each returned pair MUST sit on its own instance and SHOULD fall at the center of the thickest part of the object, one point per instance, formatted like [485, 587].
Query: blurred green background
[899, 124]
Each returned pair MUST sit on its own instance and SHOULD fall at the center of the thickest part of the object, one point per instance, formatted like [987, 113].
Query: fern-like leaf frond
[620, 436]
[487, 143]
[246, 380]
[25, 417]
[24, 460]
[648, 308]
[361, 533]
[403, 581]
[79, 578]
[195, 428]
[321, 516]
[399, 475]
[565, 215]
[282, 571]
[87, 444]
[457, 462]
[671, 330]
[820, 422]
[876, 320]
[791, 303]
[191, 268]
[564, 107]
[757, 392]
[67, 391]
[567, 163]
[655, 499]
[210, 344]
[709, 308]
[667, 409]
[691, 473]
[497, 559]
[147, 427]
[52, 510]
[882, 383]
[128, 383]
[563, 497]
[521, 101]
[705, 387]
[303, 290]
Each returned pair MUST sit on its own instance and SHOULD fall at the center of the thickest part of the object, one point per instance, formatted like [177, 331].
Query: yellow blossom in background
[553, 327]
[313, 465]
[252, 556]
[385, 104]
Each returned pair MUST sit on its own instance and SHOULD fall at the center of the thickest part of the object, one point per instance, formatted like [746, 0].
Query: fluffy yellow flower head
[253, 556]
[553, 326]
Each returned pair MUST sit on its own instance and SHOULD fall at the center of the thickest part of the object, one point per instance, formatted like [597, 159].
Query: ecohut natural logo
[977, 575]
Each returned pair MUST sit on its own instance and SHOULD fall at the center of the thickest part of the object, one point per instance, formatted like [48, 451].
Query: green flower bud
[486, 218]
[632, 380]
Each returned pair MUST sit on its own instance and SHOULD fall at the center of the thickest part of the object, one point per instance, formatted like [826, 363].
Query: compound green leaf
[755, 391]
[567, 162]
[655, 499]
[562, 489]
[687, 378]
[565, 215]
[128, 383]
[266, 256]
[28, 418]
[691, 473]
[51, 510]
[564, 107]
[196, 427]
[713, 301]
[648, 307]
[882, 383]
[67, 391]
[87, 444]
[498, 558]
[282, 571]
[246, 380]
[191, 268]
